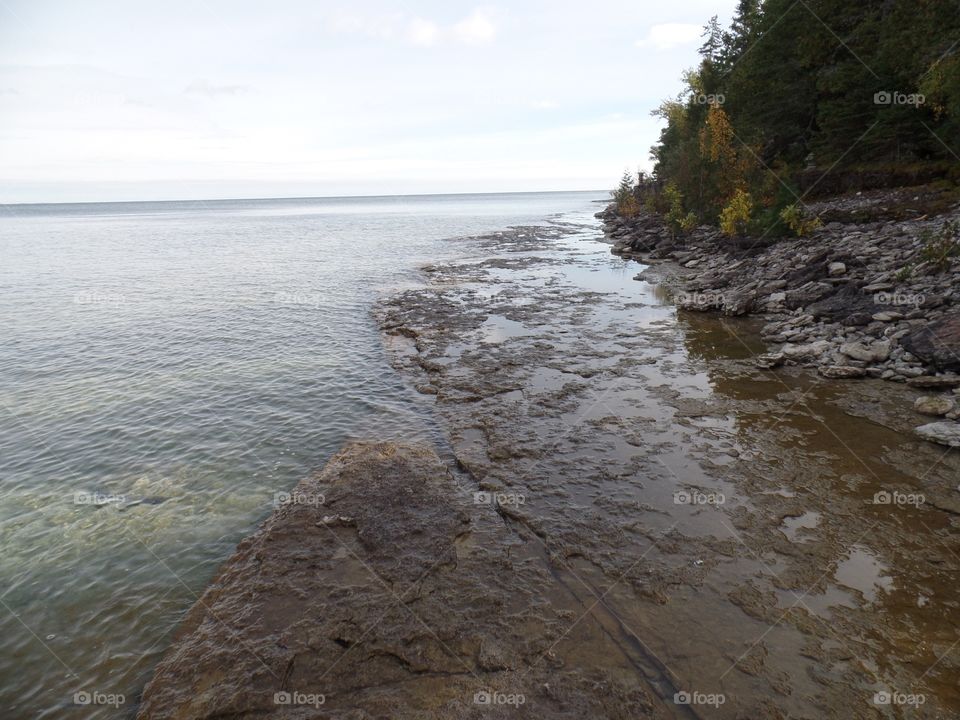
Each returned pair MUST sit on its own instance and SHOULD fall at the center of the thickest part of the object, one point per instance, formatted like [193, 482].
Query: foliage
[904, 273]
[779, 91]
[678, 220]
[795, 218]
[736, 215]
[939, 249]
[625, 197]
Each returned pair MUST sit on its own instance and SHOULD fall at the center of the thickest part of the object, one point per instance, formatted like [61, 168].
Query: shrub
[940, 249]
[736, 215]
[625, 196]
[677, 220]
[795, 218]
[629, 207]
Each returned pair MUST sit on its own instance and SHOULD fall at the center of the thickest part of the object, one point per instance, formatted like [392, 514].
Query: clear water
[182, 363]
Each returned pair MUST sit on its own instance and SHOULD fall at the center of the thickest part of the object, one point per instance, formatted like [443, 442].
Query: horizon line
[293, 197]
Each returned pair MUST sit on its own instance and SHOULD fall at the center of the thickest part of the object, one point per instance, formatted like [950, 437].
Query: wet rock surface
[384, 590]
[771, 537]
[635, 522]
[882, 292]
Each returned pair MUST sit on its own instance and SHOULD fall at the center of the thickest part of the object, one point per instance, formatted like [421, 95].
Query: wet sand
[757, 544]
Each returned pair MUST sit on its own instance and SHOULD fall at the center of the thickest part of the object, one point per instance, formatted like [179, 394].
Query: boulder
[847, 302]
[935, 382]
[807, 294]
[836, 269]
[938, 343]
[809, 351]
[873, 353]
[769, 361]
[738, 303]
[943, 433]
[933, 405]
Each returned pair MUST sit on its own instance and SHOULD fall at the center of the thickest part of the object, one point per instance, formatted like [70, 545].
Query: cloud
[545, 105]
[475, 29]
[204, 87]
[670, 35]
[422, 32]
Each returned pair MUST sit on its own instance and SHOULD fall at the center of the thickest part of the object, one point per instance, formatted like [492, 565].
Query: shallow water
[801, 593]
[166, 370]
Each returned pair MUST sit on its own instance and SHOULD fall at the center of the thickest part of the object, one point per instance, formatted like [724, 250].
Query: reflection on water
[835, 448]
[496, 329]
[863, 571]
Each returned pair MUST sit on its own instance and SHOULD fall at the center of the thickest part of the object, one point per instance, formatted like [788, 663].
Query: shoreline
[516, 353]
[852, 300]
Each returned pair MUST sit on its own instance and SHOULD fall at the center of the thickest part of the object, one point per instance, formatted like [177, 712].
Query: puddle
[496, 329]
[797, 528]
[863, 571]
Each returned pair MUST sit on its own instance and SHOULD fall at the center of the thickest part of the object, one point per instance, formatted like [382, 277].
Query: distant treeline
[794, 84]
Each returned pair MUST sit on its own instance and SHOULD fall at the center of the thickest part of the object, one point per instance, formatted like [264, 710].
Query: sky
[124, 100]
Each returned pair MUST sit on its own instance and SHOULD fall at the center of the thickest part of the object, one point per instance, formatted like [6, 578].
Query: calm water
[188, 361]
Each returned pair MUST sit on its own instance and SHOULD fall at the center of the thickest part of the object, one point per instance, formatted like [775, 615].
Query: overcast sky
[201, 99]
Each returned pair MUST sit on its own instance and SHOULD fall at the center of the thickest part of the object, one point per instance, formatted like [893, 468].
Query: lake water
[166, 369]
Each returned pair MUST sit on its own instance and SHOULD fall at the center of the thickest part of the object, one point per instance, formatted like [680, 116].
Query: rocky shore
[383, 590]
[636, 522]
[855, 298]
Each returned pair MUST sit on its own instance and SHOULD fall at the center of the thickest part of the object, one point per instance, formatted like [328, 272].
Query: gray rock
[938, 343]
[836, 269]
[810, 351]
[842, 372]
[944, 433]
[874, 353]
[809, 293]
[769, 361]
[935, 382]
[934, 405]
[736, 304]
